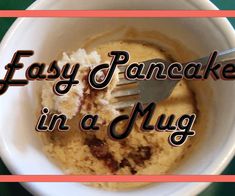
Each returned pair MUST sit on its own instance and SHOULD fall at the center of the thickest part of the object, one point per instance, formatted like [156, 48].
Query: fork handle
[227, 55]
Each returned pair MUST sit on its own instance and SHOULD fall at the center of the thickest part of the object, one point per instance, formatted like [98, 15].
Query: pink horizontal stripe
[117, 13]
[117, 178]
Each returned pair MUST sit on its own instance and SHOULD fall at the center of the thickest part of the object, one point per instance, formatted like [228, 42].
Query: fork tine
[121, 76]
[125, 98]
[126, 92]
[122, 68]
[123, 105]
[124, 81]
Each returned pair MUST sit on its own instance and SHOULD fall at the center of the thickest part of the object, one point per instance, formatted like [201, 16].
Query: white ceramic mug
[20, 149]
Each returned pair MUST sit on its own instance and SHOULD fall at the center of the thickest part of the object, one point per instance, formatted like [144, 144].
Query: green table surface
[215, 189]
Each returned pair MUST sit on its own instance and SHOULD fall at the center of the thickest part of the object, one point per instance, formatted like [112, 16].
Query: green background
[10, 189]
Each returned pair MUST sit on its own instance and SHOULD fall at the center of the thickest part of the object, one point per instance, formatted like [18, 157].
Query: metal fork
[128, 92]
